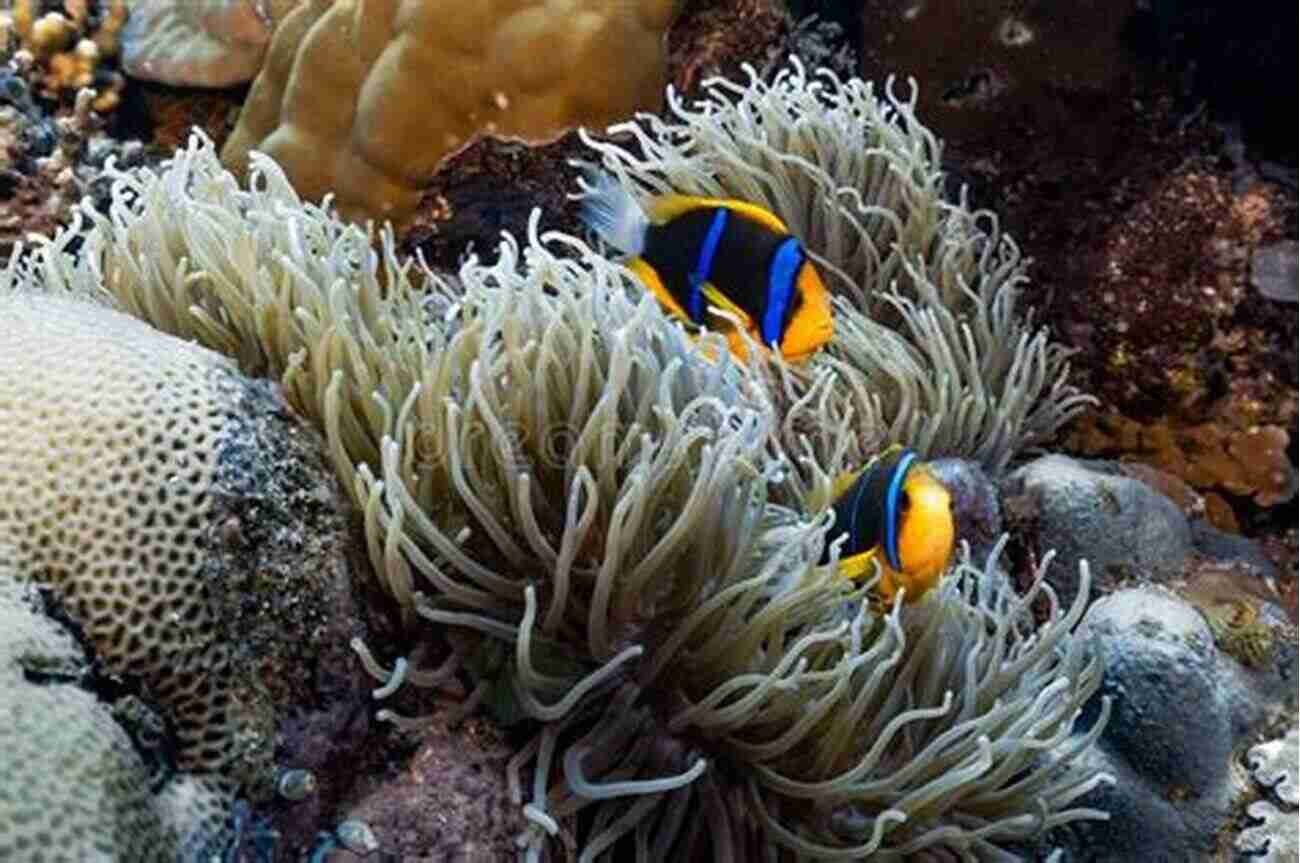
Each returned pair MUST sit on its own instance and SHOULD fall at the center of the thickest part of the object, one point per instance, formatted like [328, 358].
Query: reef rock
[1092, 511]
[1181, 713]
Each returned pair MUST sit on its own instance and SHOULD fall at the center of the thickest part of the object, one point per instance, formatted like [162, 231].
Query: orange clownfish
[895, 512]
[697, 254]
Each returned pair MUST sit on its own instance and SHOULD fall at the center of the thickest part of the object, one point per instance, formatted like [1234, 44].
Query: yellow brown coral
[365, 98]
[1212, 456]
[68, 49]
[1232, 606]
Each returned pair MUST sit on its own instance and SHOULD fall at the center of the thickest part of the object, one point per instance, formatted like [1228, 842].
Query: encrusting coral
[365, 98]
[930, 347]
[544, 460]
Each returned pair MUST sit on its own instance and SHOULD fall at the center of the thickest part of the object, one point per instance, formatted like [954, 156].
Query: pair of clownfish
[698, 255]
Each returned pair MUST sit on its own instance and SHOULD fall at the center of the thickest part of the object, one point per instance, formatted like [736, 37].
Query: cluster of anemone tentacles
[543, 459]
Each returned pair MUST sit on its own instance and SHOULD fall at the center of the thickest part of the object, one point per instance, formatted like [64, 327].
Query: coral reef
[1244, 617]
[1211, 457]
[78, 781]
[1129, 529]
[984, 66]
[58, 92]
[1275, 769]
[708, 41]
[63, 52]
[542, 459]
[449, 801]
[929, 345]
[369, 114]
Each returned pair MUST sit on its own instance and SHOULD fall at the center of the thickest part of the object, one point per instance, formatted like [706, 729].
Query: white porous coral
[1275, 766]
[75, 787]
[110, 437]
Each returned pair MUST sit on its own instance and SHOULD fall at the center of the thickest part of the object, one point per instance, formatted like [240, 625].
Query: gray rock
[1171, 716]
[974, 501]
[1089, 510]
[1181, 712]
[1275, 271]
[1216, 544]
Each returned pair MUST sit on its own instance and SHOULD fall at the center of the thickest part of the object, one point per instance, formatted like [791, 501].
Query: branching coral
[929, 346]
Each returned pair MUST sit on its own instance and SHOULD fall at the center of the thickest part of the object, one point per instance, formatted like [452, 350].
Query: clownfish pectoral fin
[859, 566]
[739, 346]
[646, 273]
[843, 483]
[717, 298]
[609, 209]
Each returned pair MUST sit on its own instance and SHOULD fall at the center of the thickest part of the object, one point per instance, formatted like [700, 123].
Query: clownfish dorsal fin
[665, 208]
[841, 484]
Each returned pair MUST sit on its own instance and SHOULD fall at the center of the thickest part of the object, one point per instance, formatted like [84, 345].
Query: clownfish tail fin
[610, 210]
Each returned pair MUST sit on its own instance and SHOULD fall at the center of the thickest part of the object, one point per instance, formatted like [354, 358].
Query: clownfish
[895, 513]
[695, 253]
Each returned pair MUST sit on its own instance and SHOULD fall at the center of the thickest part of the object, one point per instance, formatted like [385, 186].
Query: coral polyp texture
[111, 439]
[556, 474]
[77, 786]
[365, 99]
[930, 346]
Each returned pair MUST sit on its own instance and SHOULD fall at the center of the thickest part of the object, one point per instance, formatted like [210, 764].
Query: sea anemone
[929, 347]
[542, 459]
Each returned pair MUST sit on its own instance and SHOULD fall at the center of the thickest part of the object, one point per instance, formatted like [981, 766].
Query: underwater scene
[661, 431]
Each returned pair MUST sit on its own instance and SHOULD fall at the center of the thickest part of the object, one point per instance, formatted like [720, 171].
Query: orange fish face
[926, 534]
[812, 326]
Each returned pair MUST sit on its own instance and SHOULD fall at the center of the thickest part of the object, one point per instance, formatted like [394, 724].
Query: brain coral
[365, 98]
[76, 787]
[110, 445]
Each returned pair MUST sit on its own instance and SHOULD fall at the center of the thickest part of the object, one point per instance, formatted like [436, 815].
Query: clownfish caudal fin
[612, 212]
